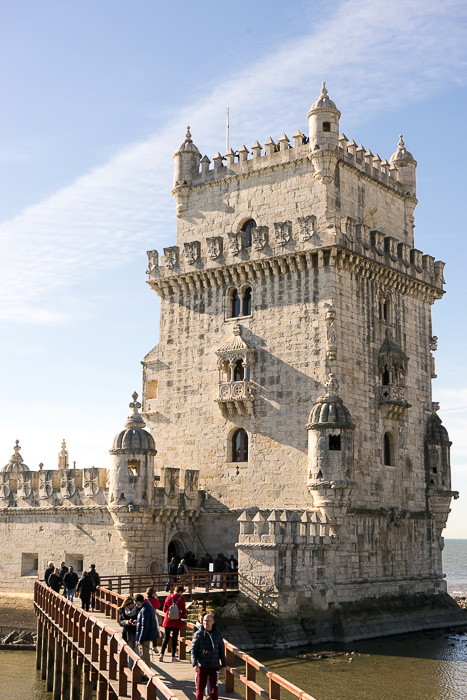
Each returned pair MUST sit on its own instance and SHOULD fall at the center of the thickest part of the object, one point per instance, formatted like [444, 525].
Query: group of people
[140, 628]
[178, 569]
[66, 580]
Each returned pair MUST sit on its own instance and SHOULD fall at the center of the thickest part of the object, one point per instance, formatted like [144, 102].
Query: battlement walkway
[79, 653]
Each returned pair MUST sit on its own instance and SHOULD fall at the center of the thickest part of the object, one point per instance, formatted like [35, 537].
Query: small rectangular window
[133, 467]
[334, 442]
[29, 564]
[326, 126]
[74, 560]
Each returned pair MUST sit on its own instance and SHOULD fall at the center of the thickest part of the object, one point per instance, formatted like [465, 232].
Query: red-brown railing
[195, 578]
[109, 656]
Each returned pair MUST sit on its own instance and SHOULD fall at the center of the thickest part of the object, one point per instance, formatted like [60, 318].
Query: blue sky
[96, 98]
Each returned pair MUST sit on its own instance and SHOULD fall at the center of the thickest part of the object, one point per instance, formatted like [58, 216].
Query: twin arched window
[240, 446]
[239, 302]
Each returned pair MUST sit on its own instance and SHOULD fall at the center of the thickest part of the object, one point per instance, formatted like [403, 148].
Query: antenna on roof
[227, 135]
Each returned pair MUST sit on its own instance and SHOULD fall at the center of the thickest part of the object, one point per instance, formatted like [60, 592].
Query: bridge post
[50, 661]
[229, 677]
[58, 663]
[87, 681]
[44, 653]
[76, 674]
[66, 672]
[40, 628]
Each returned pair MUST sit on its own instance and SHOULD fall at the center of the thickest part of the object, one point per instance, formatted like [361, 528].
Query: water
[424, 666]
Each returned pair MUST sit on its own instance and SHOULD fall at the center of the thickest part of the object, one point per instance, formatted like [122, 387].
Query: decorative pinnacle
[332, 385]
[135, 421]
[323, 89]
[188, 134]
[401, 143]
[16, 457]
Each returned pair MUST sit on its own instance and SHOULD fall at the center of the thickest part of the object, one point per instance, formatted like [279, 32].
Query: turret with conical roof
[323, 125]
[406, 166]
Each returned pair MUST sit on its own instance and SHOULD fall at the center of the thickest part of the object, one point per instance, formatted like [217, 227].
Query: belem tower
[287, 411]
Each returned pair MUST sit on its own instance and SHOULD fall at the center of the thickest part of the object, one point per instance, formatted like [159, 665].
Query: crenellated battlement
[281, 528]
[53, 487]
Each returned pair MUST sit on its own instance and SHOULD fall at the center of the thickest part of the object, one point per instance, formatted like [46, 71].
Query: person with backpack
[182, 571]
[174, 609]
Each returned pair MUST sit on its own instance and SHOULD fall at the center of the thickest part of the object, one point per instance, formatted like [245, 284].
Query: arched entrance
[175, 549]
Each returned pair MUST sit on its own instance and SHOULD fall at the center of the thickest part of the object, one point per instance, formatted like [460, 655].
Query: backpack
[174, 611]
[181, 570]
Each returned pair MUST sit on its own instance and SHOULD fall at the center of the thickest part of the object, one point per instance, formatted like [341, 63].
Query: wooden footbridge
[82, 656]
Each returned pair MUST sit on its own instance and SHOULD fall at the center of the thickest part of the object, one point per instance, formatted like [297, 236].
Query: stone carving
[171, 257]
[235, 242]
[391, 247]
[307, 226]
[153, 261]
[416, 259]
[363, 235]
[215, 246]
[45, 484]
[67, 484]
[348, 226]
[191, 483]
[378, 240]
[433, 348]
[331, 340]
[24, 485]
[192, 251]
[171, 478]
[5, 486]
[283, 230]
[91, 482]
[404, 253]
[260, 237]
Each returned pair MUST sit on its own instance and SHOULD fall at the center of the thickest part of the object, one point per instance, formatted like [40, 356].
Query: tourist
[218, 569]
[63, 570]
[127, 614]
[199, 626]
[147, 626]
[71, 581]
[54, 581]
[173, 620]
[172, 571]
[182, 571]
[96, 579]
[152, 597]
[84, 589]
[49, 570]
[207, 656]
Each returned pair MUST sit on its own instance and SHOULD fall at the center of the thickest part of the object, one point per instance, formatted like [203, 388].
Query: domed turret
[16, 464]
[132, 466]
[330, 453]
[406, 166]
[187, 158]
[323, 123]
[437, 453]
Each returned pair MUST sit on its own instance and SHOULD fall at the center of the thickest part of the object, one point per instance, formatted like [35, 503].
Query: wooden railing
[196, 578]
[107, 657]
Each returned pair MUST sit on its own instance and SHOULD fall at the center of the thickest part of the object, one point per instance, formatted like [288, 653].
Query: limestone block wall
[33, 536]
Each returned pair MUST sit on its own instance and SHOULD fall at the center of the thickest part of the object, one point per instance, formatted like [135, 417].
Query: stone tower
[290, 266]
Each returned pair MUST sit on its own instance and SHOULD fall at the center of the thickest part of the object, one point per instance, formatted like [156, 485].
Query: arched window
[385, 309]
[388, 448]
[246, 301]
[234, 304]
[239, 371]
[240, 446]
[385, 376]
[247, 227]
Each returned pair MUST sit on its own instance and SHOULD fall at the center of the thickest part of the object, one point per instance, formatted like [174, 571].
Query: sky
[96, 98]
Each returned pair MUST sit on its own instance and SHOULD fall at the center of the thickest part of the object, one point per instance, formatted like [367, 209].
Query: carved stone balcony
[393, 399]
[236, 397]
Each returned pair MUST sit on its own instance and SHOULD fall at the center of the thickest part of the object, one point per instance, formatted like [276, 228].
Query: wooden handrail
[89, 634]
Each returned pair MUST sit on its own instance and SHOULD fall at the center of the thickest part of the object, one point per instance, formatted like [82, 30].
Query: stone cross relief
[307, 226]
[215, 246]
[235, 242]
[283, 230]
[348, 227]
[45, 484]
[260, 237]
[153, 261]
[171, 257]
[192, 251]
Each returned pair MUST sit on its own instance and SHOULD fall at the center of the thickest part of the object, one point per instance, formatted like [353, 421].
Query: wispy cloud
[373, 54]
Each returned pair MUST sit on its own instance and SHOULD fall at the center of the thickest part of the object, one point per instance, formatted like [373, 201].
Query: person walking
[182, 571]
[207, 656]
[49, 570]
[174, 609]
[54, 581]
[147, 626]
[96, 579]
[127, 614]
[84, 589]
[70, 580]
[172, 571]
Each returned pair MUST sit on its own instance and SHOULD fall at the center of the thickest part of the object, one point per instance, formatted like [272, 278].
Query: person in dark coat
[49, 570]
[85, 589]
[147, 626]
[127, 614]
[54, 581]
[70, 580]
[96, 579]
[172, 625]
[172, 571]
[207, 655]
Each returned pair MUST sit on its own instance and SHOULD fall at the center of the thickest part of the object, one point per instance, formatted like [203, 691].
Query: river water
[422, 666]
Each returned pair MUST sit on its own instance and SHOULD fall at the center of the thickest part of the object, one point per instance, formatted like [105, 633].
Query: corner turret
[406, 166]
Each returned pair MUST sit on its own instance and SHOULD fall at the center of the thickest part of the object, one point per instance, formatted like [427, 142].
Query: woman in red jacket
[175, 610]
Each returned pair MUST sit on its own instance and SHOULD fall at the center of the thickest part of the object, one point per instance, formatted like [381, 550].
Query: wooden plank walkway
[179, 676]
